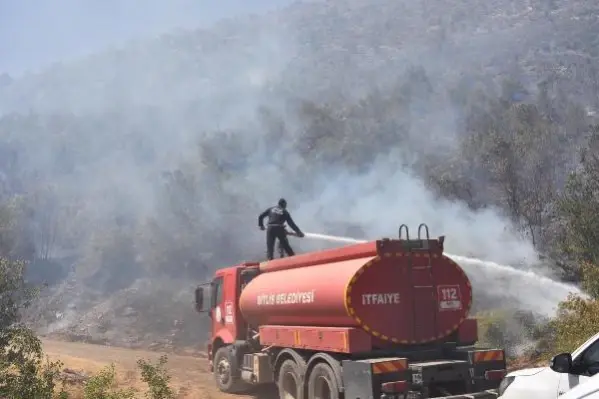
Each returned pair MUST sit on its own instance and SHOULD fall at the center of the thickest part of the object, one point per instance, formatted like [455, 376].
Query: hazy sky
[34, 33]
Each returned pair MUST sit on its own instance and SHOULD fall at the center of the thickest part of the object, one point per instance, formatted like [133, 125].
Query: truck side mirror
[561, 363]
[199, 297]
[203, 293]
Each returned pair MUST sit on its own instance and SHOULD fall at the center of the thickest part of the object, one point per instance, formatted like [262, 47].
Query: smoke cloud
[222, 113]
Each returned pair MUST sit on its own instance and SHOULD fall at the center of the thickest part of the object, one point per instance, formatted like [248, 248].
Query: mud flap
[363, 378]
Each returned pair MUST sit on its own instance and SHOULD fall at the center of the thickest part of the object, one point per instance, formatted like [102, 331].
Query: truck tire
[290, 382]
[322, 383]
[225, 380]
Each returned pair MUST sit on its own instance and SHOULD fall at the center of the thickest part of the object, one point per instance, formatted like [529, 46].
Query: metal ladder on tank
[429, 268]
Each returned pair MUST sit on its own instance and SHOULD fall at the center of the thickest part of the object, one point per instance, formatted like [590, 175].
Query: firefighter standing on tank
[277, 217]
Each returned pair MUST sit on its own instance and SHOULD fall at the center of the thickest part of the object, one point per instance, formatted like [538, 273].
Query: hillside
[353, 46]
[132, 174]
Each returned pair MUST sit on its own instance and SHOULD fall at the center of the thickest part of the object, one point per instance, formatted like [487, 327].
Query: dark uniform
[277, 217]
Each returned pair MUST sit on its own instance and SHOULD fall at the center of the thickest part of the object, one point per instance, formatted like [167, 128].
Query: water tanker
[373, 320]
[393, 295]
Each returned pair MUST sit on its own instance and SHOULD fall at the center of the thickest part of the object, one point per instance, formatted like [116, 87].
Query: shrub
[103, 386]
[577, 318]
[157, 379]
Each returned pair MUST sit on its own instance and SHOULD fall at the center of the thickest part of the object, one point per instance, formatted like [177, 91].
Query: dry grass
[190, 376]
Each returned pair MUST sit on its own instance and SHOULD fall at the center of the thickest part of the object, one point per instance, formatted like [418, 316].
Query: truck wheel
[225, 380]
[290, 380]
[322, 383]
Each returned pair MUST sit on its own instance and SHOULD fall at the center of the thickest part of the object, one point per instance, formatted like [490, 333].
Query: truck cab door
[216, 305]
[584, 366]
[219, 298]
[209, 299]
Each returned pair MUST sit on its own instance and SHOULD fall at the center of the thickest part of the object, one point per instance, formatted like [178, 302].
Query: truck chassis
[448, 372]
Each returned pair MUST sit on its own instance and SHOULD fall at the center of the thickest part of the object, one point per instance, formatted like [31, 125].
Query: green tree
[578, 207]
[24, 373]
[516, 150]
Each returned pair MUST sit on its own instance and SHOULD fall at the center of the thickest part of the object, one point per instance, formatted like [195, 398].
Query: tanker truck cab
[383, 319]
[219, 298]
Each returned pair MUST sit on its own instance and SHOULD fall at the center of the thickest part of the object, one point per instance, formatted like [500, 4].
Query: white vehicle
[588, 390]
[565, 372]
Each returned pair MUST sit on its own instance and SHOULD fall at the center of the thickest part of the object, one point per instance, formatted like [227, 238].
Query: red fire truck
[382, 319]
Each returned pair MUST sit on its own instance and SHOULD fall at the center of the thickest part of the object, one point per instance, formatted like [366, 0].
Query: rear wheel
[226, 380]
[322, 383]
[290, 380]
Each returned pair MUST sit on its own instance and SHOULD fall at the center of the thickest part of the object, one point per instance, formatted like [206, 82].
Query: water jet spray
[550, 291]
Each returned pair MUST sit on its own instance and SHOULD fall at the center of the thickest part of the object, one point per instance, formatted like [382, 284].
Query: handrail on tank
[425, 229]
[407, 232]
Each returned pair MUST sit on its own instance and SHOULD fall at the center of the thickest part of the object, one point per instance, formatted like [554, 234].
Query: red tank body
[393, 293]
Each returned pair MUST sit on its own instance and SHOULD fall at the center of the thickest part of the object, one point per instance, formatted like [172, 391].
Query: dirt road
[190, 375]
